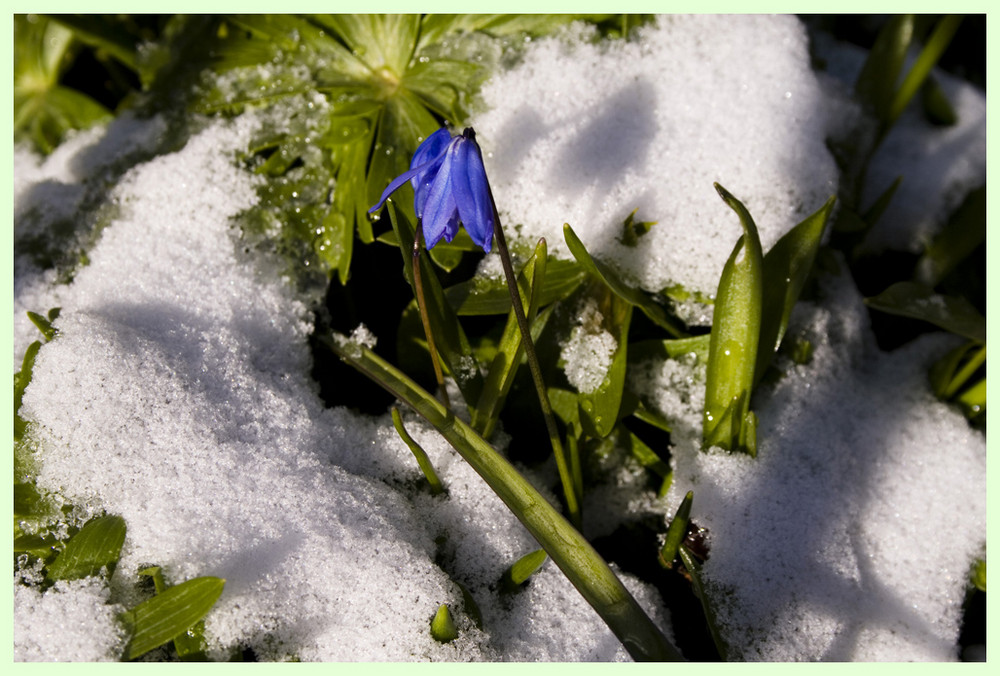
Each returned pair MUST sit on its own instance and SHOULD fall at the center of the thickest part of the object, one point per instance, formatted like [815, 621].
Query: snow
[178, 391]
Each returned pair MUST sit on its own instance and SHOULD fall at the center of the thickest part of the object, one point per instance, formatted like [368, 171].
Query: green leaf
[694, 569]
[786, 267]
[443, 626]
[973, 400]
[876, 83]
[96, 546]
[937, 108]
[418, 452]
[449, 337]
[104, 32]
[45, 110]
[939, 40]
[963, 233]
[510, 350]
[574, 555]
[676, 531]
[633, 229]
[672, 348]
[646, 456]
[627, 293]
[729, 378]
[480, 296]
[170, 614]
[43, 324]
[951, 313]
[599, 409]
[21, 380]
[522, 569]
[979, 575]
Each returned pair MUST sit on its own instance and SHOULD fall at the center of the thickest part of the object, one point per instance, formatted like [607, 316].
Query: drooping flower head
[449, 186]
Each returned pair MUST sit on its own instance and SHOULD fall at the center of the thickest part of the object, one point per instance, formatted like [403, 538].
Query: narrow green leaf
[21, 380]
[963, 233]
[951, 313]
[939, 40]
[734, 340]
[627, 293]
[694, 569]
[156, 573]
[479, 296]
[672, 348]
[676, 531]
[170, 614]
[43, 324]
[419, 453]
[510, 350]
[641, 451]
[786, 267]
[599, 409]
[443, 626]
[574, 555]
[96, 546]
[881, 203]
[876, 83]
[522, 569]
[449, 337]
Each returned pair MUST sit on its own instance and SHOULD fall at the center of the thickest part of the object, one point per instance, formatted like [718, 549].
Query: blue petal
[440, 217]
[433, 145]
[430, 152]
[472, 193]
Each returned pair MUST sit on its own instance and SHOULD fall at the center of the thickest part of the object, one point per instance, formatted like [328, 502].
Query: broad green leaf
[41, 546]
[951, 313]
[170, 614]
[380, 40]
[599, 410]
[963, 233]
[446, 258]
[449, 337]
[694, 569]
[735, 336]
[676, 532]
[443, 626]
[96, 546]
[491, 296]
[627, 293]
[876, 84]
[418, 452]
[574, 555]
[191, 645]
[522, 569]
[510, 350]
[786, 267]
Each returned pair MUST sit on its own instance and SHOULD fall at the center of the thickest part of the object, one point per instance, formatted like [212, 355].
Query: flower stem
[569, 490]
[418, 286]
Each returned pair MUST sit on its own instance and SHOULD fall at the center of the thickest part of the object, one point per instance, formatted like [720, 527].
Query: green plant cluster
[354, 95]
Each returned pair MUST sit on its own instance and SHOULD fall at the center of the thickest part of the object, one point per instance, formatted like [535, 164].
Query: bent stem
[574, 555]
[418, 286]
[569, 490]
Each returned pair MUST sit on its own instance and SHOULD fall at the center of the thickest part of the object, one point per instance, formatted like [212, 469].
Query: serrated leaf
[627, 293]
[735, 336]
[96, 546]
[951, 313]
[170, 614]
[786, 267]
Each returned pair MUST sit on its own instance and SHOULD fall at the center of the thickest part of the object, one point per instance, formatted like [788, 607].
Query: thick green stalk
[584, 567]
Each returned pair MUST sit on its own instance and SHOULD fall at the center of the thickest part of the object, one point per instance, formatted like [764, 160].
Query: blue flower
[449, 186]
